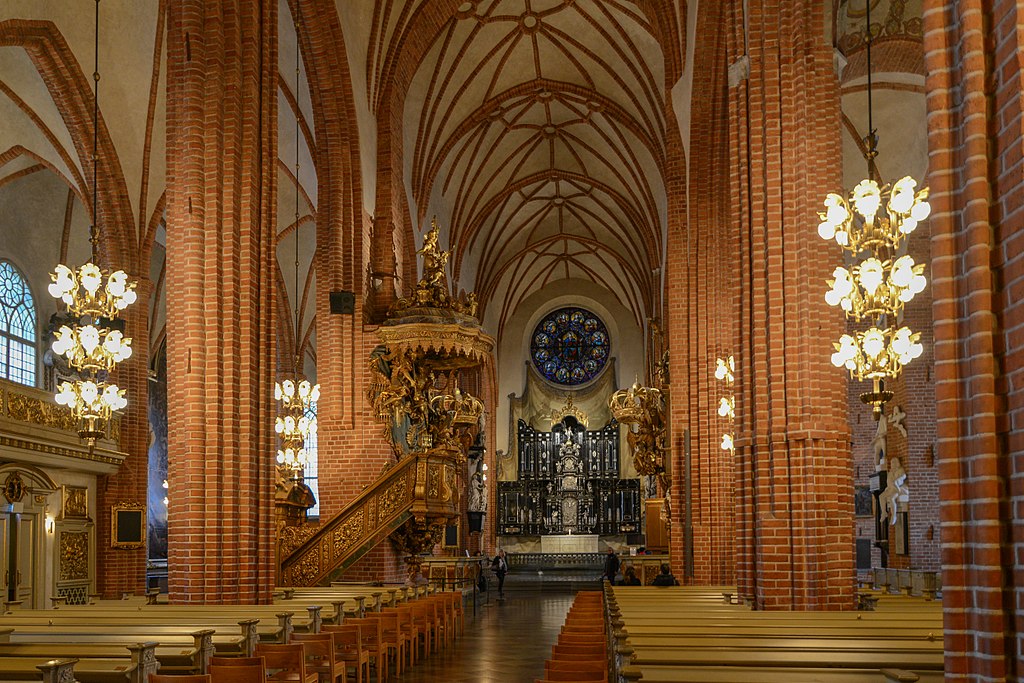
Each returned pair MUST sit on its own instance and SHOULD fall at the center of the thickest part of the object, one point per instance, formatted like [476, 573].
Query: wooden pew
[841, 657]
[786, 630]
[682, 634]
[132, 663]
[726, 674]
[289, 621]
[251, 629]
[227, 644]
[172, 657]
[34, 669]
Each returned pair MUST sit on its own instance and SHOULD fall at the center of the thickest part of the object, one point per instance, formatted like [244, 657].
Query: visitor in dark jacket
[611, 566]
[665, 578]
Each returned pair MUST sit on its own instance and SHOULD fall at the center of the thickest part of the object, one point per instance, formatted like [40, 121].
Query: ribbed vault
[535, 131]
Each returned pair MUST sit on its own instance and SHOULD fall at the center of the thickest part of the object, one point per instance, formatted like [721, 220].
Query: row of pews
[581, 653]
[686, 634]
[126, 641]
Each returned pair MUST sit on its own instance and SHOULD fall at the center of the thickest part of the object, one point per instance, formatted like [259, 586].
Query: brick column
[706, 252]
[221, 208]
[975, 139]
[794, 477]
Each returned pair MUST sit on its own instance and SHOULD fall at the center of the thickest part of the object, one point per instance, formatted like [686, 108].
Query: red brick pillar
[794, 476]
[221, 208]
[975, 138]
[706, 252]
[124, 570]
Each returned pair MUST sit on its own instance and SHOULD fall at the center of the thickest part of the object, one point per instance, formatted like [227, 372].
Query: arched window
[17, 327]
[309, 472]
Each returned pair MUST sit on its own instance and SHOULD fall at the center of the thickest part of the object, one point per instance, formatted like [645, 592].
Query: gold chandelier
[91, 342]
[872, 228]
[725, 371]
[631, 406]
[297, 396]
[297, 422]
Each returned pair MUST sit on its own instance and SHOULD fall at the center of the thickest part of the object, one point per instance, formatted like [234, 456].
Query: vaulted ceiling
[535, 131]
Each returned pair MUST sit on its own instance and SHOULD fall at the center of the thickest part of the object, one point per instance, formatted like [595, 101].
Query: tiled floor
[507, 642]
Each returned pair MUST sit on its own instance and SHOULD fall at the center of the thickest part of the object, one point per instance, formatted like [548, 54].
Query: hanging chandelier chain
[298, 336]
[298, 397]
[871, 141]
[94, 229]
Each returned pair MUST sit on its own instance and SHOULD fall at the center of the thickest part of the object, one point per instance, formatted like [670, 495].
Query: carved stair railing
[308, 554]
[420, 487]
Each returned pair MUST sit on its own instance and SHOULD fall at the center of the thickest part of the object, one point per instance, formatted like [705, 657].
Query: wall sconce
[51, 525]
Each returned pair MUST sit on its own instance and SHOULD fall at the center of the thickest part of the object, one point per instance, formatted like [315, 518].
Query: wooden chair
[391, 637]
[286, 663]
[220, 660]
[220, 673]
[421, 618]
[576, 675]
[435, 610]
[588, 666]
[169, 678]
[371, 632]
[321, 657]
[460, 611]
[446, 616]
[348, 647]
[408, 628]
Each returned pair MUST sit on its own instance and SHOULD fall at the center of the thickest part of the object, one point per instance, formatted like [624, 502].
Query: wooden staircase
[422, 487]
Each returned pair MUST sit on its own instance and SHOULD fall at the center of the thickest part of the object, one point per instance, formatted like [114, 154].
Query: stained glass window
[309, 472]
[17, 327]
[570, 346]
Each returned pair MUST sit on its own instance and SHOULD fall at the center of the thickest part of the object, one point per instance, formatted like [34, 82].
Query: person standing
[499, 565]
[611, 566]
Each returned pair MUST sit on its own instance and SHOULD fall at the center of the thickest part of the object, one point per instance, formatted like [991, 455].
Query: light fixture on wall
[872, 228]
[725, 372]
[297, 395]
[92, 342]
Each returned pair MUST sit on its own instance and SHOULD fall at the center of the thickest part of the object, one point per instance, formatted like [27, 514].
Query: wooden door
[25, 566]
[5, 554]
[657, 532]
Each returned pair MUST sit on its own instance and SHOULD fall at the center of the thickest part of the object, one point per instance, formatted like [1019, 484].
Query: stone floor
[506, 642]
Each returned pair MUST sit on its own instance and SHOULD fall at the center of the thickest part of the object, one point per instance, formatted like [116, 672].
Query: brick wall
[976, 136]
[221, 127]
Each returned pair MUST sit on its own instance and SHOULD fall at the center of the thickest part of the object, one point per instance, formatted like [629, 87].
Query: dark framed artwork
[451, 535]
[127, 526]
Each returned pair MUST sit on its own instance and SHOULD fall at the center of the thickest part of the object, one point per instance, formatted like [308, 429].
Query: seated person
[629, 577]
[416, 578]
[665, 578]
